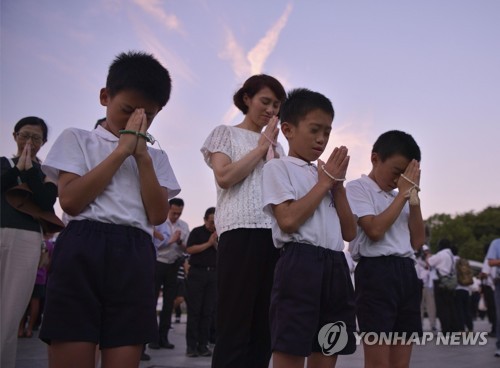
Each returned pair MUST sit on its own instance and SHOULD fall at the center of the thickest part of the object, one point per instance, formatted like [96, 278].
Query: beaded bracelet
[273, 143]
[330, 175]
[148, 137]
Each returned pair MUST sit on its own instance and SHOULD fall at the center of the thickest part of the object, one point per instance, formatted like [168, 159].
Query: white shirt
[443, 261]
[240, 205]
[290, 178]
[170, 253]
[79, 151]
[366, 198]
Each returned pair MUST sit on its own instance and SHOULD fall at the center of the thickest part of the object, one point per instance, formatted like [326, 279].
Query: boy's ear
[104, 97]
[374, 158]
[286, 129]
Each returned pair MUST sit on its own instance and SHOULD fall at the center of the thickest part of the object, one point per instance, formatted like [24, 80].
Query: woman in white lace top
[246, 254]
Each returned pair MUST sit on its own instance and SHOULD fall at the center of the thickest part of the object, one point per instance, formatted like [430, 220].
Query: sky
[430, 68]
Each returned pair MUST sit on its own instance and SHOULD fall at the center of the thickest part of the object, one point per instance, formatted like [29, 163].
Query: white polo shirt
[290, 178]
[366, 198]
[443, 261]
[79, 151]
[170, 253]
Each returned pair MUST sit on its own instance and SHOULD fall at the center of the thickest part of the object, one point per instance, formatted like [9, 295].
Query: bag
[448, 282]
[21, 198]
[464, 272]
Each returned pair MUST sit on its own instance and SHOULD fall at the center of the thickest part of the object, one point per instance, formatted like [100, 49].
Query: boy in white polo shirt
[114, 189]
[390, 230]
[311, 218]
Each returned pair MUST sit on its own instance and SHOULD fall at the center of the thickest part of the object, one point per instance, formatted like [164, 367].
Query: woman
[21, 236]
[246, 254]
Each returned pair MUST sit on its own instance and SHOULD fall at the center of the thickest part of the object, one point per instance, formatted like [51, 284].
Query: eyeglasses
[35, 138]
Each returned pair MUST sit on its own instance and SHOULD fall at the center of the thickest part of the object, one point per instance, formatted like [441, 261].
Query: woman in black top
[21, 235]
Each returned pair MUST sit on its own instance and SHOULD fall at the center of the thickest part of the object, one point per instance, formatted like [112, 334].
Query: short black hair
[141, 72]
[396, 142]
[176, 202]
[208, 212]
[33, 120]
[253, 85]
[300, 102]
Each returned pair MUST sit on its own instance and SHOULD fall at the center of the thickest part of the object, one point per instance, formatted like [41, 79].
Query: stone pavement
[32, 353]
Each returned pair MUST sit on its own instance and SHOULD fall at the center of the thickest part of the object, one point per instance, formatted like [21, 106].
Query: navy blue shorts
[312, 287]
[100, 286]
[388, 294]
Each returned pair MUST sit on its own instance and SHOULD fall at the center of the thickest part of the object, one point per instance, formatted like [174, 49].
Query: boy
[310, 218]
[390, 230]
[114, 189]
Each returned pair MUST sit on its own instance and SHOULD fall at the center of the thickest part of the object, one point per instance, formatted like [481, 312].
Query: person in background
[169, 258]
[493, 257]
[427, 275]
[246, 254]
[444, 264]
[33, 312]
[201, 285]
[21, 236]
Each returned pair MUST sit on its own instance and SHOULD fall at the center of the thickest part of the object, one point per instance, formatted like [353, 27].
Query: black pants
[166, 277]
[489, 300]
[464, 317]
[446, 309]
[201, 291]
[245, 270]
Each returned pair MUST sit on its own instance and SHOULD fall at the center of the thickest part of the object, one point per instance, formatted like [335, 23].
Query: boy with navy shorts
[390, 230]
[312, 300]
[113, 189]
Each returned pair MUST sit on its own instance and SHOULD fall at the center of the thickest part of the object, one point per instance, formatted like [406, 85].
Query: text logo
[333, 338]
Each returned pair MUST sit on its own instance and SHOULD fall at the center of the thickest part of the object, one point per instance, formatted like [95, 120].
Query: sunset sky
[428, 67]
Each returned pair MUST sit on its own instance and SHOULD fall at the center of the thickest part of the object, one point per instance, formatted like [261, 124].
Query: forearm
[154, 196]
[9, 178]
[291, 215]
[44, 194]
[494, 262]
[198, 248]
[229, 173]
[77, 192]
[379, 224]
[417, 227]
[346, 218]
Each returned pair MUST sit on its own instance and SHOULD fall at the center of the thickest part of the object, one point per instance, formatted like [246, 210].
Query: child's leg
[319, 360]
[34, 311]
[283, 360]
[400, 356]
[71, 354]
[121, 357]
[387, 356]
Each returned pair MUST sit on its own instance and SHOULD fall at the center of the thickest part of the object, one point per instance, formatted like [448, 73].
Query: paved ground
[32, 353]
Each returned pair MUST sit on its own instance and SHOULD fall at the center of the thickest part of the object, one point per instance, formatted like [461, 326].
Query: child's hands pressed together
[134, 144]
[335, 168]
[412, 174]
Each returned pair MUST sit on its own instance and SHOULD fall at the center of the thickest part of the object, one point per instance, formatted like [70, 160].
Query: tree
[470, 231]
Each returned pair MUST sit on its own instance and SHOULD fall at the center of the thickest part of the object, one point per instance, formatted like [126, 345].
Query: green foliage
[470, 232]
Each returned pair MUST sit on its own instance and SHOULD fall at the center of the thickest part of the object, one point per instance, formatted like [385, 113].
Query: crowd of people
[265, 273]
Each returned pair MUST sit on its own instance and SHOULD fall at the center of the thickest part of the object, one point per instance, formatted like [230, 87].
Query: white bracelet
[415, 185]
[273, 143]
[330, 175]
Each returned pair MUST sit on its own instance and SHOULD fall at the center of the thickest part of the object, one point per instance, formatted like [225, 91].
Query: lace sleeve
[219, 140]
